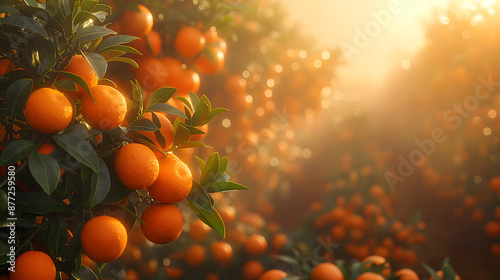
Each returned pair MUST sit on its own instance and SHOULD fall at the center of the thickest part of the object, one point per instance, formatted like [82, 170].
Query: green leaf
[224, 187]
[448, 271]
[200, 115]
[201, 162]
[84, 16]
[77, 79]
[25, 23]
[44, 170]
[74, 183]
[431, 271]
[43, 14]
[46, 54]
[192, 144]
[185, 101]
[200, 197]
[16, 151]
[143, 124]
[84, 273]
[74, 248]
[32, 3]
[194, 99]
[208, 174]
[97, 63]
[110, 42]
[110, 54]
[66, 84]
[117, 192]
[125, 60]
[90, 33]
[167, 109]
[181, 134]
[99, 186]
[212, 219]
[57, 237]
[137, 106]
[214, 113]
[161, 95]
[16, 96]
[78, 148]
[102, 8]
[40, 203]
[89, 5]
[122, 48]
[222, 167]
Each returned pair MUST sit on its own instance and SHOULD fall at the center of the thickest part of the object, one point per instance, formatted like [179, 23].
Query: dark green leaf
[90, 33]
[79, 130]
[84, 273]
[77, 79]
[143, 124]
[78, 148]
[57, 237]
[65, 7]
[431, 271]
[40, 203]
[16, 151]
[74, 183]
[200, 115]
[44, 170]
[74, 248]
[44, 15]
[66, 84]
[208, 174]
[97, 63]
[84, 16]
[167, 109]
[110, 54]
[192, 144]
[182, 134]
[117, 192]
[224, 187]
[161, 95]
[200, 197]
[185, 101]
[99, 186]
[46, 54]
[17, 94]
[213, 219]
[222, 167]
[110, 42]
[25, 23]
[32, 3]
[124, 59]
[89, 5]
[137, 106]
[194, 99]
[103, 8]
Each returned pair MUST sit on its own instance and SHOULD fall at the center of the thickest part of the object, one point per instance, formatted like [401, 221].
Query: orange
[173, 272]
[174, 181]
[195, 255]
[108, 110]
[198, 230]
[252, 270]
[495, 250]
[378, 260]
[495, 184]
[327, 271]
[279, 241]
[370, 276]
[186, 80]
[78, 65]
[86, 261]
[222, 252]
[33, 265]
[273, 274]
[200, 137]
[206, 66]
[166, 129]
[104, 239]
[211, 35]
[47, 148]
[406, 274]
[440, 275]
[337, 232]
[163, 223]
[227, 214]
[173, 68]
[136, 166]
[137, 22]
[189, 41]
[48, 111]
[151, 74]
[256, 245]
[236, 84]
[148, 46]
[131, 274]
[492, 229]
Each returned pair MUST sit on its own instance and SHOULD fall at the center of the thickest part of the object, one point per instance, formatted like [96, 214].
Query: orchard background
[212, 140]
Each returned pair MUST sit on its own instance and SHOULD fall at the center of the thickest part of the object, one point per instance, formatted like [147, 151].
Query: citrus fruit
[252, 270]
[108, 110]
[222, 252]
[166, 129]
[48, 110]
[163, 223]
[136, 21]
[273, 274]
[378, 260]
[174, 180]
[189, 41]
[406, 274]
[210, 66]
[326, 271]
[279, 241]
[34, 265]
[136, 166]
[198, 230]
[195, 255]
[151, 74]
[148, 46]
[370, 276]
[78, 65]
[256, 245]
[103, 239]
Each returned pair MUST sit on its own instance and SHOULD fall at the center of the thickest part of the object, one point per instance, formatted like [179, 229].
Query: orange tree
[78, 155]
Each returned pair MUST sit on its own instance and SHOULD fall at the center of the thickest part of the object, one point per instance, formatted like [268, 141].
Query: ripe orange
[207, 66]
[378, 260]
[406, 274]
[163, 223]
[198, 230]
[492, 229]
[86, 261]
[273, 274]
[137, 23]
[495, 250]
[78, 65]
[173, 68]
[151, 74]
[370, 276]
[440, 275]
[173, 272]
[186, 80]
[200, 137]
[104, 239]
[174, 181]
[189, 41]
[108, 110]
[236, 84]
[222, 252]
[136, 166]
[256, 245]
[252, 270]
[131, 274]
[211, 35]
[150, 45]
[195, 255]
[495, 184]
[48, 110]
[279, 241]
[34, 265]
[327, 271]
[166, 129]
[227, 214]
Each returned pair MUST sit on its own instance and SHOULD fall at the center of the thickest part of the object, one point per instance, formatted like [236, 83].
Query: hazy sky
[377, 35]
